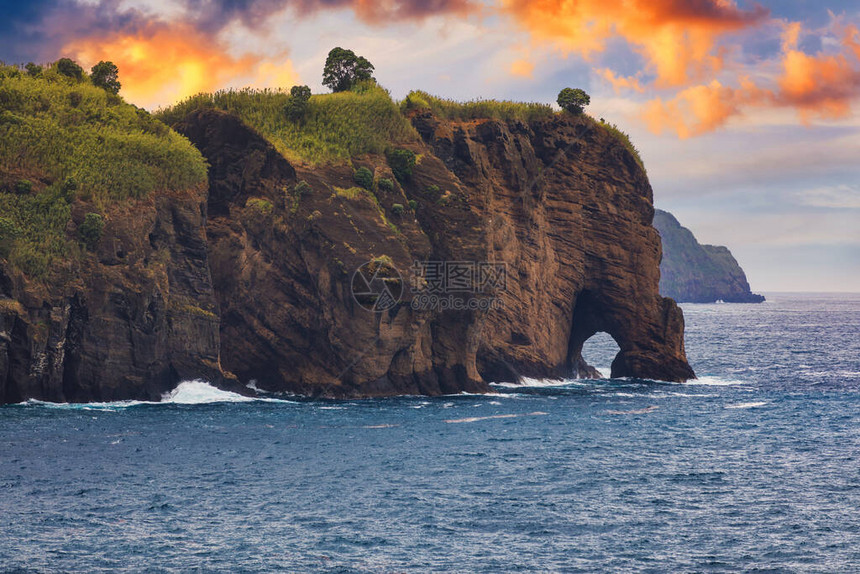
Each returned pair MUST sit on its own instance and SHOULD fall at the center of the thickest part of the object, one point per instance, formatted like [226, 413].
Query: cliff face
[132, 318]
[694, 273]
[252, 279]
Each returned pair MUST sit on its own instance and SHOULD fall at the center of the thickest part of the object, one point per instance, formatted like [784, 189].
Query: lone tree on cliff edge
[573, 100]
[106, 76]
[343, 69]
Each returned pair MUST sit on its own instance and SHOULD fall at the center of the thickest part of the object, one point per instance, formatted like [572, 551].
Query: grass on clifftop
[500, 110]
[336, 127]
[62, 139]
[476, 109]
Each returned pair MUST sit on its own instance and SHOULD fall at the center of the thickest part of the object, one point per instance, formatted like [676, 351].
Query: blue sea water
[755, 467]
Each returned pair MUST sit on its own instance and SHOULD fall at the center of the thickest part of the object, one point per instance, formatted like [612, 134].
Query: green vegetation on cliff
[476, 109]
[333, 128]
[63, 139]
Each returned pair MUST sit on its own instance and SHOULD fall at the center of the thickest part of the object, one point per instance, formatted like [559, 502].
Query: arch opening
[599, 351]
[590, 319]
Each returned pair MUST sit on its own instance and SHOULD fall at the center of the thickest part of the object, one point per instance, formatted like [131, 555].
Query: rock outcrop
[694, 273]
[137, 315]
[252, 279]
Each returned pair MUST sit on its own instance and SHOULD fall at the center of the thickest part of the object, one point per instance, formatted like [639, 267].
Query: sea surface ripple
[754, 467]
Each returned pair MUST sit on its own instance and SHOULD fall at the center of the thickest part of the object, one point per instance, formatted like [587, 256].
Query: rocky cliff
[694, 273]
[252, 278]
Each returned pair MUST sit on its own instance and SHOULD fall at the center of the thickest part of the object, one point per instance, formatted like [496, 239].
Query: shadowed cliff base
[249, 278]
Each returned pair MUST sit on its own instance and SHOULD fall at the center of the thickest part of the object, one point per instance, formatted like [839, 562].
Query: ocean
[753, 467]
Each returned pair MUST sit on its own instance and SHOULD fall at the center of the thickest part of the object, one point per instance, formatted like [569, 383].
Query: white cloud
[837, 196]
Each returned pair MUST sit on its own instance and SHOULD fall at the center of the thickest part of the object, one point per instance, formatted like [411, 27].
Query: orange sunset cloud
[677, 38]
[823, 85]
[164, 63]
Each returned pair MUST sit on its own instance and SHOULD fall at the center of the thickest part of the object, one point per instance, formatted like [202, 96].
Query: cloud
[834, 197]
[522, 68]
[161, 63]
[698, 109]
[819, 86]
[620, 83]
[822, 85]
[677, 38]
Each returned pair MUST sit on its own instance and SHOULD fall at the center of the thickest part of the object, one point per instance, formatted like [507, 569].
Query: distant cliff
[695, 273]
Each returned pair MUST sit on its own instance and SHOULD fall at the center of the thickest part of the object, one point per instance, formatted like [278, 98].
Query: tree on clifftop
[106, 75]
[70, 68]
[343, 69]
[573, 100]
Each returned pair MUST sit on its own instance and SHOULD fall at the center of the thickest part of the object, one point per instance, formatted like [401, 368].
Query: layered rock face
[567, 207]
[251, 280]
[137, 316]
[694, 273]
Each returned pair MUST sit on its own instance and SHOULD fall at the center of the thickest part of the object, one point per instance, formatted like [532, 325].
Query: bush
[413, 205]
[363, 177]
[402, 162]
[90, 231]
[23, 187]
[573, 100]
[297, 105]
[34, 70]
[302, 188]
[397, 209]
[262, 205]
[70, 69]
[106, 76]
[69, 189]
[385, 184]
[9, 232]
[343, 69]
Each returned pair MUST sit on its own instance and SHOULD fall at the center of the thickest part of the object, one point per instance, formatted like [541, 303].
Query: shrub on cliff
[34, 70]
[9, 232]
[302, 188]
[364, 178]
[397, 208]
[297, 105]
[573, 100]
[90, 230]
[105, 75]
[343, 69]
[264, 206]
[70, 69]
[23, 187]
[385, 184]
[402, 162]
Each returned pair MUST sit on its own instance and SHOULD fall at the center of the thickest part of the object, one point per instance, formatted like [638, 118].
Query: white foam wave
[712, 381]
[107, 406]
[746, 405]
[491, 417]
[199, 392]
[194, 392]
[528, 382]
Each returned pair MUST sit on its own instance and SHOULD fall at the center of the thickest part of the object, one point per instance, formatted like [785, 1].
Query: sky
[747, 114]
